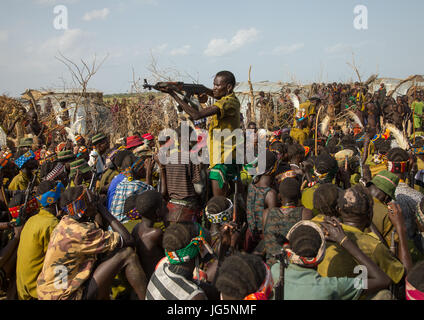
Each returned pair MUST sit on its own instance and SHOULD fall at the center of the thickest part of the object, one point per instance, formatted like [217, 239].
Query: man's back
[32, 248]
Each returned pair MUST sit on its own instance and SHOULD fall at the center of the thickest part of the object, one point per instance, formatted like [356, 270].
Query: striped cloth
[167, 285]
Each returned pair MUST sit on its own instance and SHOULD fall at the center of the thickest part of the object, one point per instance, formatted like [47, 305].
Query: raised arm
[377, 279]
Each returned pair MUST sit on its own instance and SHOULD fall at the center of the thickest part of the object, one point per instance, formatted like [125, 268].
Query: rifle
[279, 288]
[22, 212]
[185, 89]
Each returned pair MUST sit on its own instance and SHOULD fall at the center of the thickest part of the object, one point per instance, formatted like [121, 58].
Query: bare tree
[81, 75]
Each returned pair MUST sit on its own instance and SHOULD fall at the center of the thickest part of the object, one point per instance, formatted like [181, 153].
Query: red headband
[397, 167]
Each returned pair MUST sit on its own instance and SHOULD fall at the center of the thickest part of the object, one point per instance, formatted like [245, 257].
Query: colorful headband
[224, 216]
[24, 159]
[303, 261]
[134, 214]
[265, 289]
[78, 208]
[52, 196]
[397, 167]
[4, 159]
[288, 174]
[49, 156]
[32, 206]
[188, 253]
[412, 293]
[128, 174]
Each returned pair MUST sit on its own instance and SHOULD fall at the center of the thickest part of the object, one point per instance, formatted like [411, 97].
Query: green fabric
[65, 155]
[80, 165]
[418, 108]
[306, 284]
[222, 173]
[26, 142]
[381, 181]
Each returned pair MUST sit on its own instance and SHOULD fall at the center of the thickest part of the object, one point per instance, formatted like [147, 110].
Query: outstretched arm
[192, 112]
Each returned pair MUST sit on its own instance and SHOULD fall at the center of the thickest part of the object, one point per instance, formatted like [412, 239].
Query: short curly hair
[240, 275]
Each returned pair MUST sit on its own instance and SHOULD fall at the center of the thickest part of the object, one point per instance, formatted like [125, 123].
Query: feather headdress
[399, 136]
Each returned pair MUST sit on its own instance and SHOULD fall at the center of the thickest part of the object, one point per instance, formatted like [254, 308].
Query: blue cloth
[112, 188]
[123, 191]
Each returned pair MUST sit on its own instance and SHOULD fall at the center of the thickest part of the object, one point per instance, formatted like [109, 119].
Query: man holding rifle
[224, 114]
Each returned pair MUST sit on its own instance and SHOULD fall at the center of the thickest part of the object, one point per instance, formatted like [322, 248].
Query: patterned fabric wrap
[78, 208]
[32, 206]
[5, 158]
[111, 155]
[52, 196]
[224, 216]
[412, 293]
[397, 167]
[279, 222]
[265, 289]
[24, 159]
[255, 206]
[57, 171]
[303, 261]
[127, 173]
[418, 150]
[134, 214]
[138, 164]
[188, 253]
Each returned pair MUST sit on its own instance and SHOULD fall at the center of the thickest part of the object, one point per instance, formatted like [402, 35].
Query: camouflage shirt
[70, 257]
[278, 223]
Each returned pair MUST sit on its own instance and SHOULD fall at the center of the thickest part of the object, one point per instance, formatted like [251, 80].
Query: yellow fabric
[382, 222]
[19, 182]
[375, 168]
[338, 262]
[229, 118]
[32, 248]
[300, 135]
[361, 99]
[308, 198]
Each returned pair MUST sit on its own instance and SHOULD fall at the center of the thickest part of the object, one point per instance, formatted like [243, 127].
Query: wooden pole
[413, 110]
[316, 131]
[252, 97]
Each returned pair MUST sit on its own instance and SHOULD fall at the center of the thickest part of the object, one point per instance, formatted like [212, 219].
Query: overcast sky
[301, 40]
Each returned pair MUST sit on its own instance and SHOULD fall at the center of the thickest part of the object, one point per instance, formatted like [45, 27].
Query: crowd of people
[337, 214]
